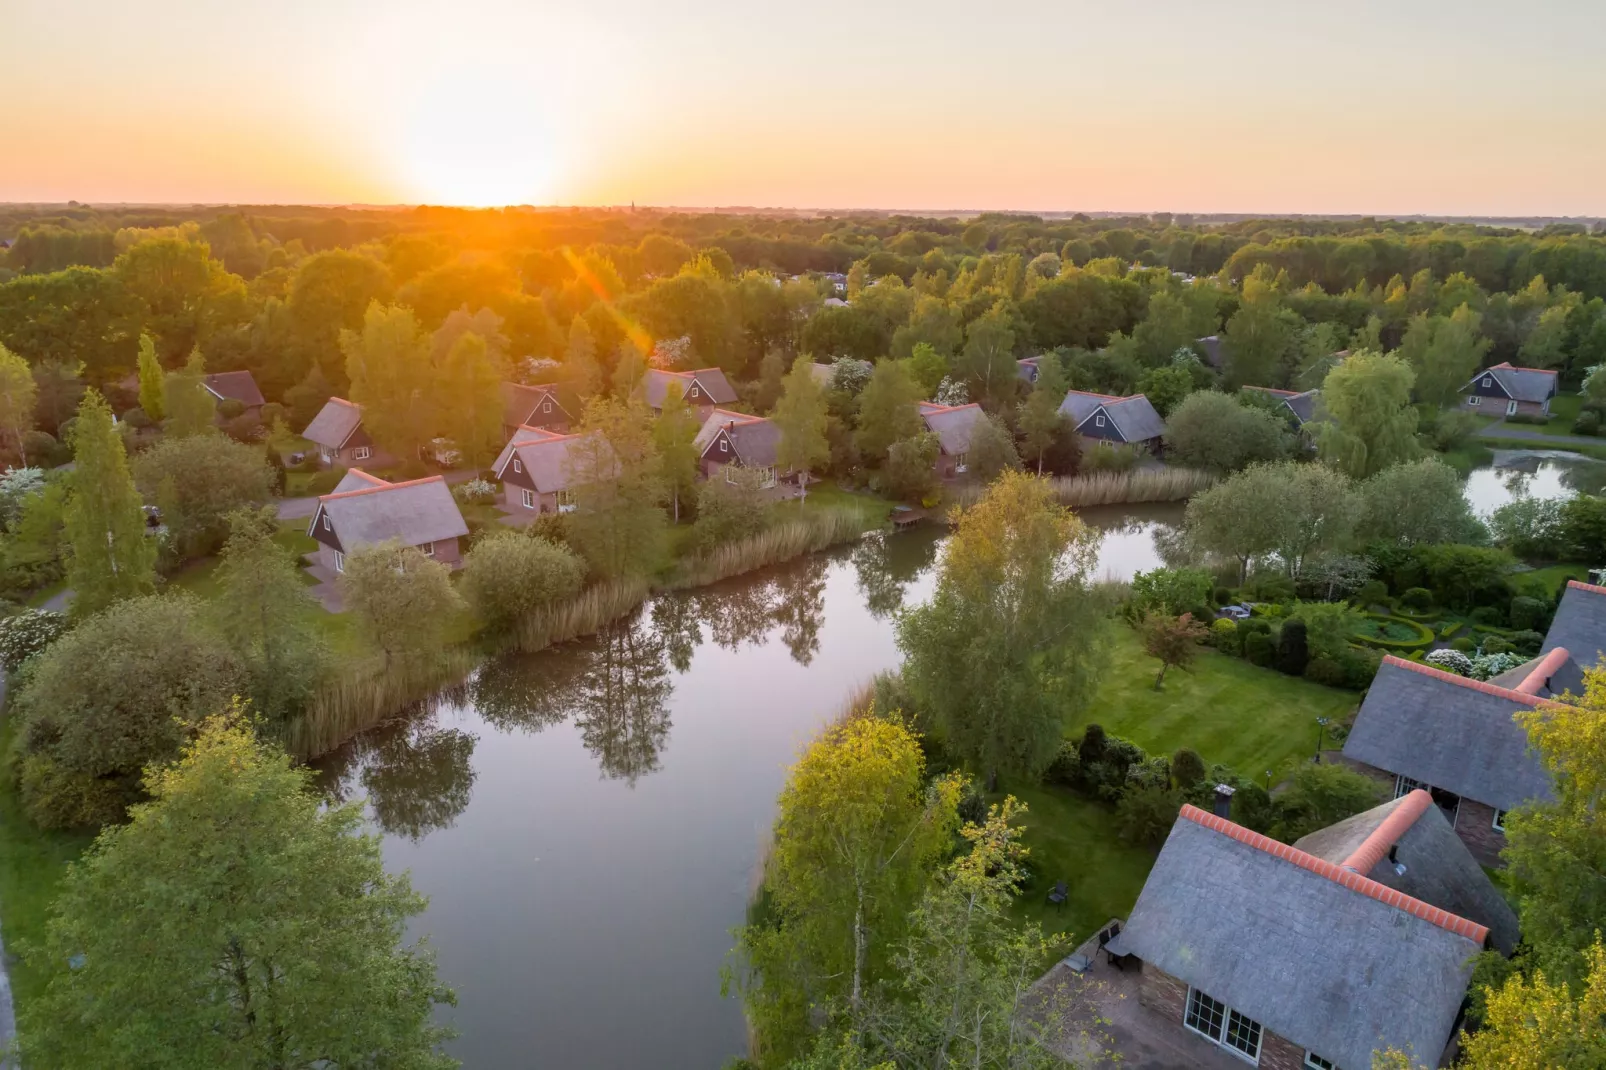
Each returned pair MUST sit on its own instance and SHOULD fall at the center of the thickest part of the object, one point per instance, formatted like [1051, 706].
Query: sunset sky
[1473, 107]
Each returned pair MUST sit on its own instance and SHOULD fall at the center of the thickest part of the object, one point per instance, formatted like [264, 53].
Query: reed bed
[592, 610]
[1112, 488]
[366, 693]
[792, 537]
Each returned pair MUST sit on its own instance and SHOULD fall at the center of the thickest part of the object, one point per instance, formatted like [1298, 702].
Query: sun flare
[478, 140]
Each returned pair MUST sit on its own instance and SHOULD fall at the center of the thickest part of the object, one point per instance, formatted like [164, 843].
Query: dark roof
[713, 382]
[1301, 403]
[1580, 627]
[238, 386]
[1331, 960]
[373, 511]
[1133, 416]
[1212, 350]
[544, 456]
[1439, 869]
[755, 439]
[1449, 732]
[334, 423]
[952, 424]
[520, 402]
[1026, 368]
[1519, 384]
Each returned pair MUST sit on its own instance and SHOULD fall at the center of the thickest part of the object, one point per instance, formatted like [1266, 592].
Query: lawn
[1071, 839]
[1548, 582]
[31, 866]
[827, 495]
[1228, 710]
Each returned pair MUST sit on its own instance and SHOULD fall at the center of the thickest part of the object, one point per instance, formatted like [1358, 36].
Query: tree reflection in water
[884, 566]
[622, 699]
[417, 776]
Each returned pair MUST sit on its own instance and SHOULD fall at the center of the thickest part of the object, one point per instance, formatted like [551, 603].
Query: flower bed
[1393, 633]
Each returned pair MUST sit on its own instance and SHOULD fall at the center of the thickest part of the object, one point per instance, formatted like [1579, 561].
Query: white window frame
[1316, 1062]
[565, 500]
[961, 462]
[546, 406]
[528, 499]
[1473, 399]
[1511, 407]
[1098, 421]
[692, 392]
[730, 473]
[427, 549]
[1404, 785]
[1226, 1019]
[517, 467]
[724, 446]
[360, 453]
[1499, 822]
[340, 561]
[326, 524]
[326, 453]
[766, 476]
[1488, 381]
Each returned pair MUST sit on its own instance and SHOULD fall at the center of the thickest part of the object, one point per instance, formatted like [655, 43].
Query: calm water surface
[1532, 474]
[587, 821]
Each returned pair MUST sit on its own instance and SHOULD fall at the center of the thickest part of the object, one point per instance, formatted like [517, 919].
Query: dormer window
[326, 526]
[546, 406]
[692, 393]
[724, 446]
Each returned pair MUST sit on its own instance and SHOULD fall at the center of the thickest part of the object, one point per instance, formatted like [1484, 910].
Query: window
[961, 462]
[1500, 820]
[1098, 421]
[724, 446]
[766, 476]
[565, 500]
[1214, 1020]
[529, 499]
[1404, 785]
[730, 473]
[1474, 399]
[326, 454]
[692, 392]
[340, 561]
[1488, 380]
[517, 465]
[1316, 1062]
[326, 526]
[359, 453]
[429, 549]
[546, 406]
[1511, 408]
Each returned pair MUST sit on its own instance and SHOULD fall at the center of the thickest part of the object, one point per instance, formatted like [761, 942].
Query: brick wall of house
[447, 552]
[1382, 776]
[946, 466]
[1474, 823]
[1162, 993]
[513, 498]
[1497, 406]
[1278, 1053]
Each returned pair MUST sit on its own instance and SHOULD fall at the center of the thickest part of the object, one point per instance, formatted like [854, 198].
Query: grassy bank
[1137, 487]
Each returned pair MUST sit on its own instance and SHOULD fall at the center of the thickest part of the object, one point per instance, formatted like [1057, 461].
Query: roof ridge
[1543, 671]
[1592, 588]
[343, 401]
[1521, 368]
[1273, 390]
[362, 474]
[1106, 397]
[1388, 832]
[376, 490]
[1355, 882]
[1461, 681]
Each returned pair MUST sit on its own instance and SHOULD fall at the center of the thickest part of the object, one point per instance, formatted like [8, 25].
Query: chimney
[1223, 807]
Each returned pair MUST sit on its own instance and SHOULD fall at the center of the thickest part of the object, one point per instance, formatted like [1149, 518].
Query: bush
[27, 634]
[1224, 636]
[272, 412]
[910, 472]
[1252, 807]
[1417, 598]
[1529, 614]
[1450, 629]
[1463, 645]
[1223, 596]
[508, 575]
[43, 449]
[1326, 671]
[475, 492]
[1292, 650]
[1399, 635]
[229, 408]
[1171, 590]
[1450, 661]
[1587, 423]
[136, 418]
[1527, 643]
[1259, 650]
[973, 807]
[198, 481]
[1321, 795]
[1489, 616]
[1145, 815]
[245, 428]
[1066, 768]
[1187, 768]
[1495, 644]
[1102, 458]
[1360, 666]
[728, 511]
[1372, 593]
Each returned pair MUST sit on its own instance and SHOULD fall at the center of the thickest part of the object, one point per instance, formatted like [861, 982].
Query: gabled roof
[238, 386]
[1026, 368]
[823, 373]
[1439, 870]
[543, 455]
[715, 386]
[373, 511]
[1519, 384]
[1133, 416]
[754, 438]
[1326, 957]
[1212, 349]
[1450, 732]
[520, 402]
[952, 424]
[1301, 403]
[1580, 627]
[334, 424]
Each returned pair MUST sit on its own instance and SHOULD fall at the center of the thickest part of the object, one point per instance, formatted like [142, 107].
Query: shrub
[1259, 650]
[1252, 807]
[27, 634]
[1417, 598]
[475, 492]
[1527, 643]
[1113, 458]
[1224, 636]
[245, 428]
[1496, 644]
[549, 526]
[1171, 590]
[1487, 666]
[277, 472]
[1145, 815]
[272, 412]
[508, 575]
[1326, 671]
[1587, 423]
[1450, 629]
[910, 472]
[1321, 795]
[728, 511]
[1187, 768]
[1360, 666]
[1223, 596]
[1372, 593]
[1399, 635]
[198, 481]
[136, 418]
[972, 808]
[1292, 650]
[1066, 768]
[1463, 644]
[1450, 661]
[229, 408]
[1486, 615]
[43, 449]
[1529, 614]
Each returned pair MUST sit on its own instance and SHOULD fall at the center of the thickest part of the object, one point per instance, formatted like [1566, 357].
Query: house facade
[731, 440]
[953, 425]
[364, 510]
[549, 406]
[1313, 956]
[338, 433]
[703, 388]
[1106, 419]
[1506, 390]
[537, 470]
[1459, 740]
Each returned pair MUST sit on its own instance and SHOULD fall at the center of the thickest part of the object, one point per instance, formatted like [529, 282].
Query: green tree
[580, 359]
[802, 417]
[1317, 796]
[509, 575]
[629, 369]
[1007, 650]
[198, 482]
[1260, 338]
[729, 508]
[1448, 357]
[1216, 432]
[1166, 387]
[1315, 513]
[273, 916]
[18, 396]
[927, 367]
[1171, 590]
[1041, 421]
[1536, 1024]
[189, 297]
[109, 556]
[1417, 502]
[152, 384]
[910, 473]
[122, 690]
[988, 360]
[1368, 423]
[992, 449]
[857, 836]
[618, 523]
[469, 397]
[404, 602]
[674, 436]
[191, 409]
[392, 379]
[889, 410]
[265, 612]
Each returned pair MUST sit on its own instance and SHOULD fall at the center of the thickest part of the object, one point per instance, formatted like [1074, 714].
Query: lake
[588, 821]
[1517, 474]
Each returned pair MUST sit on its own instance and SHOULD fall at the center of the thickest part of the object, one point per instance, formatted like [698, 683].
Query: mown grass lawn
[1548, 582]
[1228, 710]
[32, 863]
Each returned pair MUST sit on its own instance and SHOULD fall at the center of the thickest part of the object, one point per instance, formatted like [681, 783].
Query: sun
[478, 139]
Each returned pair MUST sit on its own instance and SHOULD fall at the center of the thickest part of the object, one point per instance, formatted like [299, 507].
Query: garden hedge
[1424, 636]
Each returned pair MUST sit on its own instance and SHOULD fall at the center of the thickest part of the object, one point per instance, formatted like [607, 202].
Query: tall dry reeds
[1112, 488]
[588, 612]
[364, 693]
[792, 537]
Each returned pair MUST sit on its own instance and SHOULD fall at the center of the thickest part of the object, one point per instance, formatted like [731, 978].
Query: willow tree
[109, 555]
[1010, 645]
[1367, 423]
